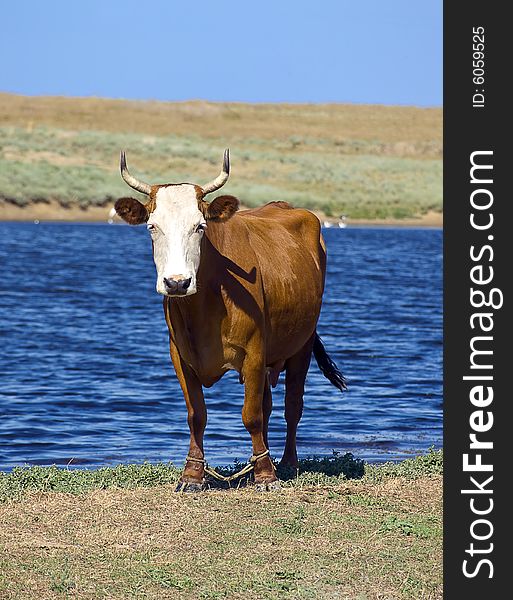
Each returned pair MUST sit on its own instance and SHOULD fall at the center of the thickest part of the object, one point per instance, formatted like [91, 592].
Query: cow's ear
[131, 211]
[221, 208]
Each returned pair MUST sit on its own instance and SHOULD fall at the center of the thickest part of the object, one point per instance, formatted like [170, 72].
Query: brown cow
[242, 290]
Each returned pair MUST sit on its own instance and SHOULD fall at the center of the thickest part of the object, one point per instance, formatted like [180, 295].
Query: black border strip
[474, 123]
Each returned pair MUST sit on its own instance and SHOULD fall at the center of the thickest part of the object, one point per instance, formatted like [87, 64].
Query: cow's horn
[140, 186]
[222, 178]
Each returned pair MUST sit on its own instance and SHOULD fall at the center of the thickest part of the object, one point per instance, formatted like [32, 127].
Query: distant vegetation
[363, 161]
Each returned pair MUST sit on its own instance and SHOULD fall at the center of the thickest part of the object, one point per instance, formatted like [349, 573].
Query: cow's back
[291, 256]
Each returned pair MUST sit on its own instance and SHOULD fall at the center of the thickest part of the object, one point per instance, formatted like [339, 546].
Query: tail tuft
[328, 368]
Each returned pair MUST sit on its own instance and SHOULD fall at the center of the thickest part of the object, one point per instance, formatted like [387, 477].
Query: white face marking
[176, 226]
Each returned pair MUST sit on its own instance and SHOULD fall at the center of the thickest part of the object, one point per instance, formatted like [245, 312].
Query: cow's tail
[328, 368]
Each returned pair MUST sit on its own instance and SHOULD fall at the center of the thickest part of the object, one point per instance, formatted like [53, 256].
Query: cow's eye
[201, 227]
[150, 227]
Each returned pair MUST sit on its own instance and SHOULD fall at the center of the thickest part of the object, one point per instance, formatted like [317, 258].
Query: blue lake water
[86, 379]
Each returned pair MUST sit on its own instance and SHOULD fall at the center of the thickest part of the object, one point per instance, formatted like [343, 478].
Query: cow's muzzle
[177, 285]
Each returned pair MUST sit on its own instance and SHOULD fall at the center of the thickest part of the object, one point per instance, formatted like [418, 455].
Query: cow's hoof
[268, 486]
[190, 487]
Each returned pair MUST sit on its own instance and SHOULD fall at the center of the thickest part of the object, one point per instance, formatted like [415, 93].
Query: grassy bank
[367, 162]
[341, 529]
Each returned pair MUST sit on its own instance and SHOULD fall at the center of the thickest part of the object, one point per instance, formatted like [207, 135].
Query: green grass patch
[424, 465]
[315, 471]
[79, 481]
[424, 526]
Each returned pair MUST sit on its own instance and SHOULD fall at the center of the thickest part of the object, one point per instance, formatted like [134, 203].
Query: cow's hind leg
[255, 382]
[296, 369]
[192, 479]
[267, 407]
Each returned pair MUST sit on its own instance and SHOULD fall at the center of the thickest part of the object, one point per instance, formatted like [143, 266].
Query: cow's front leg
[253, 419]
[193, 475]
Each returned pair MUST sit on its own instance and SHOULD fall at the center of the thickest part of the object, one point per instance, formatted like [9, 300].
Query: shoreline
[54, 212]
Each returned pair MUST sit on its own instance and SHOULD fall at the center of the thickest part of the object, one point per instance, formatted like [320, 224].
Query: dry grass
[356, 540]
[400, 131]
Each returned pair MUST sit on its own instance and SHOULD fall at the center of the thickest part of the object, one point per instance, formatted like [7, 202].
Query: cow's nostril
[176, 285]
[170, 284]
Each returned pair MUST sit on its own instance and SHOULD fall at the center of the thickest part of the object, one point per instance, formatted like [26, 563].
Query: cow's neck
[196, 319]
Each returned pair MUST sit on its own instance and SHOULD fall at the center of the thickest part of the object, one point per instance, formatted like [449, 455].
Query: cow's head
[176, 215]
